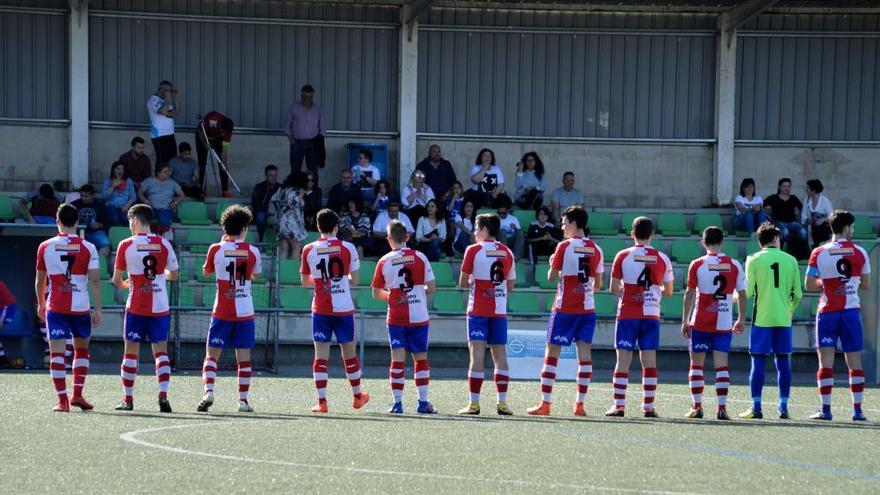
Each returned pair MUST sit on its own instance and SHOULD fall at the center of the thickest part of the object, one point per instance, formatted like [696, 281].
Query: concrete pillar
[725, 113]
[79, 92]
[409, 54]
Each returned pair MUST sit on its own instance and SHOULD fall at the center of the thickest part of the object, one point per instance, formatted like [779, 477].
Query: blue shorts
[845, 325]
[324, 327]
[62, 326]
[7, 313]
[231, 334]
[146, 328]
[641, 333]
[564, 328]
[710, 341]
[413, 339]
[492, 331]
[770, 340]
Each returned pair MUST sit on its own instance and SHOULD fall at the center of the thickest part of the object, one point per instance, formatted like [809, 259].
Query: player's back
[840, 265]
[579, 261]
[403, 273]
[330, 261]
[715, 277]
[67, 259]
[234, 264]
[491, 264]
[643, 271]
[146, 257]
[773, 280]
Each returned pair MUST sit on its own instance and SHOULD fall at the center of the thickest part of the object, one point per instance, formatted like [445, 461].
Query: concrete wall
[32, 155]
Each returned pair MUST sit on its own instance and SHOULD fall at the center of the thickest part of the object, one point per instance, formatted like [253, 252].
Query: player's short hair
[397, 231]
[327, 221]
[489, 221]
[839, 220]
[67, 215]
[713, 236]
[767, 232]
[642, 228]
[184, 146]
[144, 213]
[136, 140]
[235, 219]
[578, 215]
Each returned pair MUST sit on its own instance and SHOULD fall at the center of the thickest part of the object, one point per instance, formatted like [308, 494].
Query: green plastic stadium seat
[117, 235]
[863, 229]
[685, 251]
[672, 224]
[289, 272]
[752, 247]
[123, 295]
[296, 298]
[366, 302]
[443, 274]
[368, 268]
[201, 277]
[186, 268]
[670, 307]
[261, 297]
[448, 300]
[187, 295]
[606, 304]
[541, 270]
[524, 302]
[193, 213]
[311, 237]
[612, 246]
[209, 292]
[102, 261]
[814, 306]
[221, 206]
[522, 270]
[703, 220]
[525, 217]
[601, 223]
[6, 213]
[270, 237]
[801, 312]
[458, 256]
[201, 239]
[626, 220]
[108, 294]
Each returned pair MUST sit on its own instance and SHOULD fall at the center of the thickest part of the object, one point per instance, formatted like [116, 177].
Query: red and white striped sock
[81, 360]
[502, 379]
[722, 385]
[68, 352]
[585, 374]
[58, 372]
[621, 380]
[353, 373]
[857, 387]
[649, 388]
[163, 373]
[129, 369]
[475, 383]
[548, 378]
[319, 371]
[244, 380]
[423, 378]
[397, 377]
[209, 374]
[825, 382]
[695, 379]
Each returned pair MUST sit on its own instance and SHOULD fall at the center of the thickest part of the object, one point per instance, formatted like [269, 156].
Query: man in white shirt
[511, 234]
[380, 226]
[162, 107]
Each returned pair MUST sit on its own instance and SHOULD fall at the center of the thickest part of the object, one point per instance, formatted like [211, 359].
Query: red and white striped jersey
[578, 261]
[329, 261]
[840, 265]
[643, 270]
[715, 277]
[492, 265]
[234, 264]
[146, 257]
[67, 259]
[404, 273]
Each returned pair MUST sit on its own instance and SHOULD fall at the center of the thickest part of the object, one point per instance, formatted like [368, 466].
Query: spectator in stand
[439, 174]
[185, 171]
[119, 195]
[365, 174]
[343, 192]
[289, 203]
[218, 129]
[137, 164]
[431, 231]
[380, 225]
[454, 200]
[488, 182]
[817, 211]
[542, 236]
[464, 224]
[163, 195]
[380, 198]
[355, 227]
[261, 197]
[93, 215]
[565, 196]
[162, 107]
[749, 208]
[416, 196]
[511, 233]
[40, 206]
[530, 184]
[313, 201]
[7, 313]
[785, 211]
[305, 129]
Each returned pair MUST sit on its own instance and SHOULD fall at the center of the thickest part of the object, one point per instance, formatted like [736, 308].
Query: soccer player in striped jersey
[488, 270]
[7, 314]
[578, 265]
[72, 267]
[772, 278]
[331, 266]
[149, 261]
[640, 276]
[234, 263]
[403, 279]
[708, 324]
[839, 269]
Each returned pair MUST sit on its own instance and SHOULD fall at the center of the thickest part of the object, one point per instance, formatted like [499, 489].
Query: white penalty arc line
[132, 437]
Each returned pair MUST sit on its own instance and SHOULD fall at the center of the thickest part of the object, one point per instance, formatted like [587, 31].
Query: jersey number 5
[583, 269]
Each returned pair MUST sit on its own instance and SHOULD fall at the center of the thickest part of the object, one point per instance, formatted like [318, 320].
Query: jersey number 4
[644, 279]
